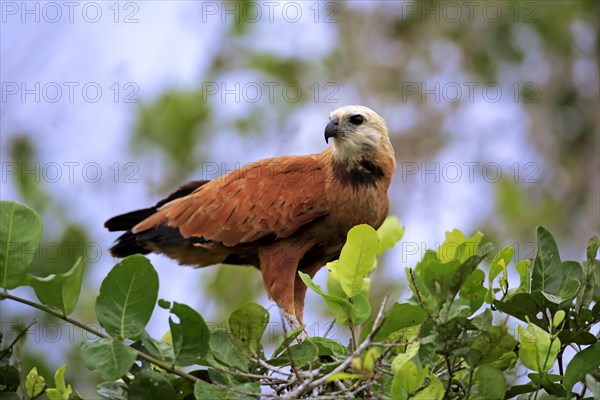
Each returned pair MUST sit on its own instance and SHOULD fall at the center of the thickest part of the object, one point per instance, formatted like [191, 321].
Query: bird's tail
[129, 243]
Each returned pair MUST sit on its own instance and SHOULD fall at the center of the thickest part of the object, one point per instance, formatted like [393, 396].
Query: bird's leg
[294, 323]
[300, 290]
[278, 265]
[299, 296]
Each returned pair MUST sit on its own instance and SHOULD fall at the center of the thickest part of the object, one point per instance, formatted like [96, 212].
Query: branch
[19, 336]
[144, 356]
[310, 383]
[418, 295]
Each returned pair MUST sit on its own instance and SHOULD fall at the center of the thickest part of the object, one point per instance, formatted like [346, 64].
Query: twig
[450, 374]
[64, 317]
[412, 279]
[470, 383]
[19, 336]
[340, 385]
[361, 388]
[249, 375]
[271, 367]
[397, 342]
[309, 384]
[352, 334]
[329, 328]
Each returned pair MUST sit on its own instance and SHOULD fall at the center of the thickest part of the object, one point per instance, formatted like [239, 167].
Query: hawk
[281, 215]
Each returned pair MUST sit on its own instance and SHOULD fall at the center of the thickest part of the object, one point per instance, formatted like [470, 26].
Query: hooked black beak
[331, 130]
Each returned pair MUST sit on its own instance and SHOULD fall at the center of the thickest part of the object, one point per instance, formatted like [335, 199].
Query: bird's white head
[358, 133]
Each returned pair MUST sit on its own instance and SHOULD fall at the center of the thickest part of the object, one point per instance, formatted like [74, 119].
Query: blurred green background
[492, 108]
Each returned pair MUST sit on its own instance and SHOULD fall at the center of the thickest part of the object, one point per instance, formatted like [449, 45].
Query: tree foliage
[458, 336]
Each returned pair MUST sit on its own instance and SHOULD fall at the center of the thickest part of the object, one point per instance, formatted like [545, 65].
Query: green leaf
[400, 317]
[338, 376]
[581, 338]
[162, 303]
[127, 297]
[499, 264]
[329, 347]
[59, 290]
[361, 308]
[596, 295]
[537, 351]
[368, 360]
[390, 233]
[247, 325]
[491, 384]
[20, 233]
[592, 248]
[9, 396]
[357, 258]
[506, 362]
[453, 336]
[204, 390]
[440, 275]
[583, 362]
[150, 385]
[434, 390]
[546, 381]
[473, 290]
[445, 279]
[573, 278]
[113, 390]
[157, 349]
[340, 308]
[9, 378]
[34, 383]
[464, 271]
[302, 354]
[593, 385]
[448, 249]
[547, 275]
[586, 295]
[191, 337]
[484, 320]
[558, 318]
[61, 391]
[184, 388]
[285, 340]
[111, 357]
[525, 307]
[411, 350]
[516, 390]
[490, 345]
[334, 287]
[457, 247]
[524, 268]
[224, 351]
[407, 380]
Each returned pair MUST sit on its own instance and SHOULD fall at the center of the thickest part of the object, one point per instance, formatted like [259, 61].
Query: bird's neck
[362, 169]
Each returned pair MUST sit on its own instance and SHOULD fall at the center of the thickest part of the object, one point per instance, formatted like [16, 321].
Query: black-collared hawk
[281, 215]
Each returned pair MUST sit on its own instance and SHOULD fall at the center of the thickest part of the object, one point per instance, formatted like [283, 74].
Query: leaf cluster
[451, 339]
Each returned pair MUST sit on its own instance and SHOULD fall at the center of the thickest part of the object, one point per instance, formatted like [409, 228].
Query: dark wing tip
[127, 245]
[125, 222]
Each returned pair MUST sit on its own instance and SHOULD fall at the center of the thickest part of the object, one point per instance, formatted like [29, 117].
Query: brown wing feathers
[271, 198]
[259, 200]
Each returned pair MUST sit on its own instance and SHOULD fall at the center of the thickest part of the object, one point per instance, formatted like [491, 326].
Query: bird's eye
[356, 119]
